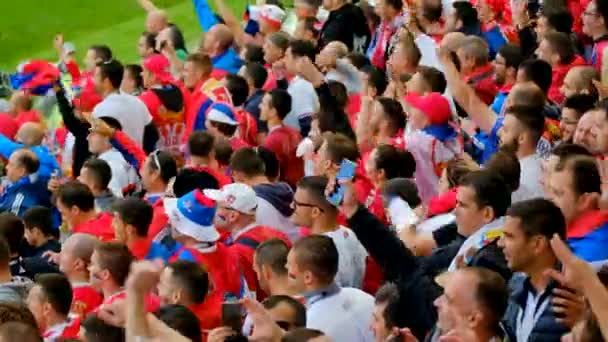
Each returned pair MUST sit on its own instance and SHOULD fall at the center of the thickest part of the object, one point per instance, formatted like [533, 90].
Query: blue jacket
[48, 163]
[495, 40]
[25, 193]
[546, 328]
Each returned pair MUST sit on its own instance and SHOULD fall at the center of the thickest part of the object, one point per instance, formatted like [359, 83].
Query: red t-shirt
[85, 299]
[88, 97]
[151, 302]
[283, 141]
[237, 143]
[8, 126]
[140, 248]
[159, 219]
[73, 70]
[100, 227]
[27, 116]
[248, 127]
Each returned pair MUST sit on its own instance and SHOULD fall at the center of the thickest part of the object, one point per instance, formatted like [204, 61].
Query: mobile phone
[346, 172]
[232, 316]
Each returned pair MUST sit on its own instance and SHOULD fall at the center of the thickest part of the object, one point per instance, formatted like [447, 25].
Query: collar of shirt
[115, 296]
[317, 295]
[505, 89]
[274, 128]
[479, 72]
[235, 235]
[55, 331]
[477, 240]
[80, 284]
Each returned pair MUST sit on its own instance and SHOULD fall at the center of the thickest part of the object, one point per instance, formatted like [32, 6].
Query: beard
[510, 146]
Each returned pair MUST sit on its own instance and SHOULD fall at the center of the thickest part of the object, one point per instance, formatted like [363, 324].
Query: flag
[35, 77]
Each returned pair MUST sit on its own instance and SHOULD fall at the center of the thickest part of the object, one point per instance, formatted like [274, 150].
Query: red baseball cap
[433, 105]
[160, 67]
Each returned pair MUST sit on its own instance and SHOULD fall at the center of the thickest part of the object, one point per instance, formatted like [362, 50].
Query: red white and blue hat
[222, 112]
[192, 215]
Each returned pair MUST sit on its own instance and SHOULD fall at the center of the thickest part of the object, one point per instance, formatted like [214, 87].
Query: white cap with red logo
[236, 196]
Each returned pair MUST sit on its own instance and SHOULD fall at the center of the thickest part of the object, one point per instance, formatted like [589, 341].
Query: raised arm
[147, 5]
[478, 111]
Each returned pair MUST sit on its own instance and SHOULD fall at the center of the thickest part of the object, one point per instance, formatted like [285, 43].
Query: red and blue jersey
[587, 236]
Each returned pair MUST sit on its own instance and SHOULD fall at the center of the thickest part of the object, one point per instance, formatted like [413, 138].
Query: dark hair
[310, 25]
[506, 164]
[586, 177]
[396, 163]
[76, 194]
[280, 100]
[580, 103]
[539, 217]
[395, 4]
[317, 254]
[492, 293]
[273, 253]
[257, 73]
[238, 88]
[112, 122]
[25, 332]
[12, 230]
[223, 151]
[512, 55]
[177, 37]
[490, 191]
[566, 150]
[41, 218]
[135, 212]
[227, 130]
[301, 335]
[116, 258]
[376, 79]
[28, 160]
[539, 72]
[189, 179]
[57, 290]
[253, 53]
[340, 147]
[97, 330]
[360, 61]
[335, 121]
[295, 305]
[315, 187]
[113, 71]
[280, 40]
[602, 10]
[562, 45]
[100, 170]
[531, 118]
[394, 312]
[433, 77]
[200, 143]
[302, 48]
[271, 162]
[168, 166]
[192, 278]
[247, 161]
[182, 320]
[466, 13]
[560, 19]
[16, 313]
[135, 72]
[432, 11]
[102, 52]
[150, 39]
[403, 188]
[393, 112]
[5, 253]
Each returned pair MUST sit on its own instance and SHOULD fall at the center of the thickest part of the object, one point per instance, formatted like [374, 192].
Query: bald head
[526, 94]
[156, 21]
[80, 246]
[217, 40]
[30, 134]
[452, 40]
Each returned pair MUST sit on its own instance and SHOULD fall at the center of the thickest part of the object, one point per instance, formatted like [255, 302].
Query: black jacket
[401, 267]
[348, 25]
[78, 128]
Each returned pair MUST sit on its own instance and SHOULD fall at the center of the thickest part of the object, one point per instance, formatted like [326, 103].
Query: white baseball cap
[236, 196]
[68, 48]
[271, 13]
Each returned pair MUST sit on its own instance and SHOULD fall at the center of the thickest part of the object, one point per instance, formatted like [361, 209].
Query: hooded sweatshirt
[274, 208]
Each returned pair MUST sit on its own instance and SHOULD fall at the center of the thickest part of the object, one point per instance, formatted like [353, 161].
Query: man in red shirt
[197, 70]
[476, 68]
[109, 268]
[282, 140]
[132, 218]
[86, 96]
[236, 214]
[186, 283]
[50, 301]
[238, 89]
[20, 107]
[76, 204]
[166, 102]
[221, 121]
[202, 156]
[74, 260]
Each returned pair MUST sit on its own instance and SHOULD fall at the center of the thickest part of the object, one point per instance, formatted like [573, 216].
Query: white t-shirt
[529, 181]
[345, 316]
[123, 174]
[304, 101]
[130, 111]
[351, 257]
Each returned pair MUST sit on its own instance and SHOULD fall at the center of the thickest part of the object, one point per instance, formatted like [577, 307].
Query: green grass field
[27, 27]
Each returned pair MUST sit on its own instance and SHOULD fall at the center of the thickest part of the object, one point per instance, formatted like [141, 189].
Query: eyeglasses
[306, 205]
[590, 14]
